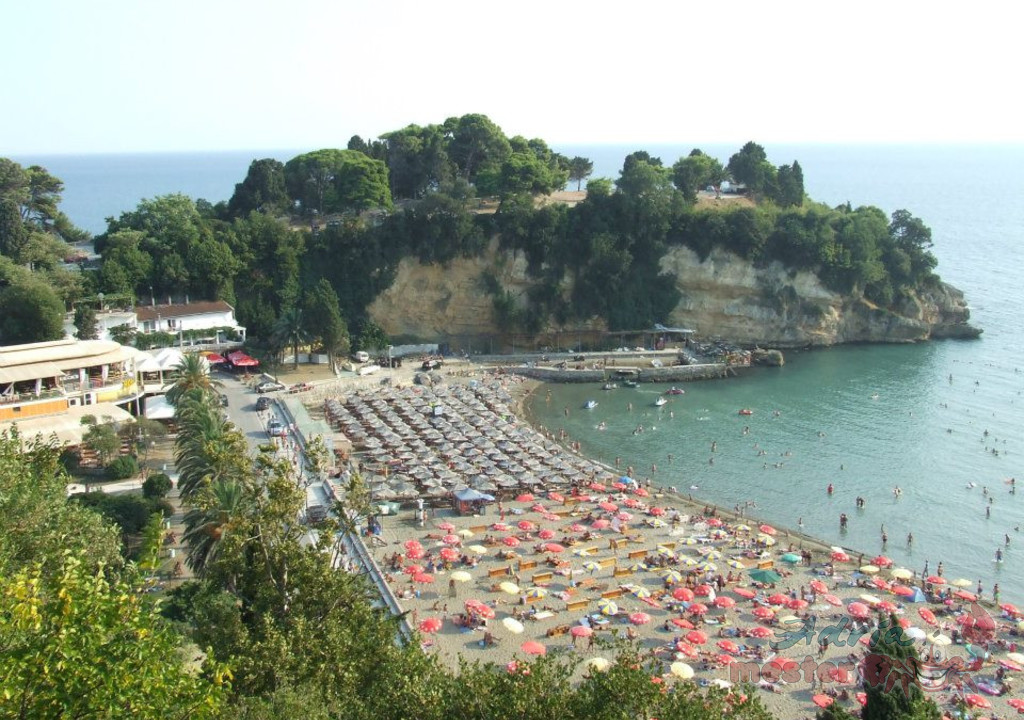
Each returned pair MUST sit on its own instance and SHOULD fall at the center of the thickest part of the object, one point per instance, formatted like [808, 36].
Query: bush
[156, 486]
[160, 506]
[123, 467]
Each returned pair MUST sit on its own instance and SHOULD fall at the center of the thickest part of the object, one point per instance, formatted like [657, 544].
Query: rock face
[724, 296]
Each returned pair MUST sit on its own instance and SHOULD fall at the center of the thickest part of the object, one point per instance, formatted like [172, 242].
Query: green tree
[417, 159]
[101, 438]
[904, 700]
[475, 144]
[30, 311]
[85, 322]
[191, 377]
[330, 181]
[13, 235]
[323, 312]
[291, 329]
[790, 185]
[156, 486]
[80, 643]
[750, 166]
[262, 190]
[208, 446]
[217, 512]
[371, 336]
[695, 172]
[580, 169]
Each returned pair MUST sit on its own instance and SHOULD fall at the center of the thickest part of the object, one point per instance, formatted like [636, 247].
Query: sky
[136, 76]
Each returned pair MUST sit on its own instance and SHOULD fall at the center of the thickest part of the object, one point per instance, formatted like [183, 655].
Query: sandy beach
[573, 557]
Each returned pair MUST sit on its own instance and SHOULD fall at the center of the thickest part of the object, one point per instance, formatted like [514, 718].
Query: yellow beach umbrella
[681, 670]
[466, 532]
[869, 569]
[961, 583]
[513, 625]
[509, 588]
[478, 549]
[461, 576]
[902, 574]
[599, 663]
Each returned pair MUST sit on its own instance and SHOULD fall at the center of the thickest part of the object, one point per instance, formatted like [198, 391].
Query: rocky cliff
[723, 296]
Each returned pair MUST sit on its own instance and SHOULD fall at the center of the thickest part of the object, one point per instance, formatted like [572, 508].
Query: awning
[240, 359]
[33, 371]
[157, 408]
[215, 359]
[67, 427]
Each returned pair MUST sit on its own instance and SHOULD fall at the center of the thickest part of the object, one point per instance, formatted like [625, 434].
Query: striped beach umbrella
[607, 607]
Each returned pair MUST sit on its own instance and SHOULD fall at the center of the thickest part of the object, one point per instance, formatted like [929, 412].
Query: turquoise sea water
[922, 433]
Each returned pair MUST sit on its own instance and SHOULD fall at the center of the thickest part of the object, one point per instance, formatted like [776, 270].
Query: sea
[942, 422]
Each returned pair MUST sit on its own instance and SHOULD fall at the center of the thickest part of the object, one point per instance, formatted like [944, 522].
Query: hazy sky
[136, 75]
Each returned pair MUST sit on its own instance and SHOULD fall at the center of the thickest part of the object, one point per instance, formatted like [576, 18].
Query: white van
[361, 357]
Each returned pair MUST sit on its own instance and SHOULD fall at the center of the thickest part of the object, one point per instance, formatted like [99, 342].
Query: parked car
[276, 429]
[262, 403]
[431, 364]
[269, 386]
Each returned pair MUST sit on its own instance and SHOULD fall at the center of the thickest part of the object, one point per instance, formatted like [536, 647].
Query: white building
[205, 315]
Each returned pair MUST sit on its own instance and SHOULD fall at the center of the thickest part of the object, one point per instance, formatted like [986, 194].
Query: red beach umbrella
[698, 608]
[887, 606]
[546, 534]
[641, 492]
[431, 625]
[822, 701]
[639, 618]
[415, 553]
[928, 616]
[901, 590]
[682, 623]
[449, 553]
[745, 593]
[688, 650]
[832, 600]
[767, 529]
[556, 497]
[964, 595]
[424, 578]
[446, 526]
[696, 637]
[510, 541]
[451, 540]
[796, 604]
[554, 548]
[975, 700]
[840, 557]
[1009, 609]
[600, 524]
[682, 594]
[936, 580]
[724, 602]
[657, 511]
[501, 527]
[526, 526]
[413, 544]
[608, 506]
[760, 631]
[818, 586]
[763, 613]
[723, 659]
[728, 645]
[778, 599]
[715, 522]
[525, 498]
[413, 569]
[702, 590]
[881, 561]
[532, 647]
[581, 631]
[858, 610]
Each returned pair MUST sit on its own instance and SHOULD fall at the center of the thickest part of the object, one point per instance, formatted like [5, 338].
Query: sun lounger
[576, 605]
[542, 577]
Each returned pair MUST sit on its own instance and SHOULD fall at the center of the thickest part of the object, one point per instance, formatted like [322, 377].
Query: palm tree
[191, 374]
[207, 525]
[290, 329]
[208, 447]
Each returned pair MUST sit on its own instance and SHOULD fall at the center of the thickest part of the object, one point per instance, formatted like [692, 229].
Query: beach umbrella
[461, 576]
[706, 567]
[1016, 703]
[556, 497]
[901, 574]
[526, 526]
[686, 561]
[778, 599]
[858, 610]
[608, 506]
[641, 492]
[666, 552]
[768, 577]
[915, 633]
[767, 529]
[416, 553]
[696, 637]
[928, 616]
[724, 602]
[901, 590]
[431, 625]
[869, 569]
[639, 618]
[728, 645]
[961, 583]
[822, 701]
[975, 700]
[790, 558]
[536, 593]
[446, 526]
[597, 487]
[840, 557]
[501, 527]
[546, 534]
[709, 553]
[964, 595]
[581, 631]
[702, 590]
[576, 528]
[451, 540]
[607, 607]
[655, 523]
[796, 604]
[600, 524]
[538, 508]
[592, 565]
[723, 659]
[881, 561]
[1009, 609]
[424, 578]
[598, 663]
[880, 583]
[818, 586]
[682, 594]
[525, 498]
[466, 533]
[413, 569]
[763, 613]
[657, 511]
[760, 632]
[869, 599]
[686, 650]
[411, 544]
[508, 587]
[510, 541]
[1015, 657]
[532, 647]
[766, 540]
[887, 606]
[624, 516]
[640, 592]
[513, 625]
[936, 580]
[449, 553]
[682, 623]
[698, 608]
[784, 663]
[745, 593]
[687, 541]
[477, 549]
[681, 670]
[736, 565]
[553, 548]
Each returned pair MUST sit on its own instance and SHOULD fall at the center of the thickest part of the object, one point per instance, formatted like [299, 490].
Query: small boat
[675, 391]
[590, 404]
[660, 401]
[631, 383]
[609, 386]
[746, 411]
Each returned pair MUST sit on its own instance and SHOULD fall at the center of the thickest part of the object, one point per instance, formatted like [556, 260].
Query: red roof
[150, 312]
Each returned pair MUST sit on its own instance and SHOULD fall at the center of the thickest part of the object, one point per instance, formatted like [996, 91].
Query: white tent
[157, 408]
